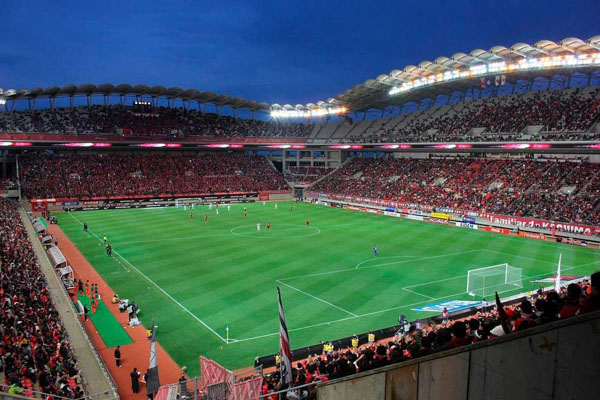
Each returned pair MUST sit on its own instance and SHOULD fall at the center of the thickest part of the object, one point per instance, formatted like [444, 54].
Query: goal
[185, 203]
[496, 278]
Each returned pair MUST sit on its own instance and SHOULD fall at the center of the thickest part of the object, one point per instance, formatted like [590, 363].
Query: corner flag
[284, 345]
[152, 382]
[557, 282]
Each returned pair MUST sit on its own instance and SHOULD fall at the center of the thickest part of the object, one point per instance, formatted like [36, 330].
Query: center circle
[277, 231]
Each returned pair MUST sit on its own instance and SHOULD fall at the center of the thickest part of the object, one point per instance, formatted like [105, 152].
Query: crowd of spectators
[564, 115]
[422, 338]
[561, 114]
[85, 175]
[35, 352]
[551, 189]
[112, 120]
[8, 184]
[306, 175]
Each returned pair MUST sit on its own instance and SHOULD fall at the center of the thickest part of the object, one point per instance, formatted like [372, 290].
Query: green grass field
[195, 278]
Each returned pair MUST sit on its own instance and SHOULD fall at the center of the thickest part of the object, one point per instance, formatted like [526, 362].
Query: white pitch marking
[395, 308]
[158, 287]
[319, 299]
[417, 293]
[377, 265]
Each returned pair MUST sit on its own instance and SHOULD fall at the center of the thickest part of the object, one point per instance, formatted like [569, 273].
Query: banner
[468, 220]
[575, 242]
[246, 390]
[531, 235]
[438, 221]
[213, 373]
[415, 217]
[543, 224]
[497, 230]
[441, 215]
[392, 214]
[152, 381]
[285, 352]
[466, 225]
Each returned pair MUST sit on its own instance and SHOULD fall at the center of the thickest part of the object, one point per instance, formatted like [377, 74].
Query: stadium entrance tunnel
[279, 231]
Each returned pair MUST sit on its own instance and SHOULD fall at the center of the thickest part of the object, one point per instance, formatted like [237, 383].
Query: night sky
[278, 52]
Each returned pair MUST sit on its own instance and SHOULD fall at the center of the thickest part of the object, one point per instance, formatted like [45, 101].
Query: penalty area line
[158, 287]
[418, 294]
[317, 298]
[395, 308]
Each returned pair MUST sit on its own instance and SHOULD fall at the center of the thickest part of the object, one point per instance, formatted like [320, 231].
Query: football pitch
[197, 278]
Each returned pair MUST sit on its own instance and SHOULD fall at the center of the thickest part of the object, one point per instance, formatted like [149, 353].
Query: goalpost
[487, 280]
[185, 203]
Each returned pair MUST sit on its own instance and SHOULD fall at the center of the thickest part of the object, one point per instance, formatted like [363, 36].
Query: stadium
[432, 232]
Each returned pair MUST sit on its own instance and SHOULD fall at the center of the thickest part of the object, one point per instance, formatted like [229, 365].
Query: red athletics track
[133, 355]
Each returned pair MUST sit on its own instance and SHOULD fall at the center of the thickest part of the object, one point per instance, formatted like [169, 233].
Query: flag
[483, 82]
[502, 80]
[502, 314]
[152, 382]
[284, 345]
[557, 282]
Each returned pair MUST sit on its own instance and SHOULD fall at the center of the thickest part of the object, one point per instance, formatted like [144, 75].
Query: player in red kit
[245, 212]
[268, 225]
[307, 222]
[191, 214]
[205, 217]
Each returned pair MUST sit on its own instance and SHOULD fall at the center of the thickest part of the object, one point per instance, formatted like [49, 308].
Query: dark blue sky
[278, 52]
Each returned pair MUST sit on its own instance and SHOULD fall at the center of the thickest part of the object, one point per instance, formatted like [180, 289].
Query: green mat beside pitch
[106, 324]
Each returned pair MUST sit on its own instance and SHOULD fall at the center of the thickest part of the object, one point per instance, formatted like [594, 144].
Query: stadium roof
[444, 75]
[466, 69]
[107, 89]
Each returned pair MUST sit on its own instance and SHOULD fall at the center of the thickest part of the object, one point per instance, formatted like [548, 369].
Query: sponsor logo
[415, 217]
[531, 235]
[468, 220]
[497, 230]
[391, 209]
[466, 225]
[415, 212]
[543, 224]
[392, 214]
[439, 221]
[353, 208]
[575, 242]
[441, 215]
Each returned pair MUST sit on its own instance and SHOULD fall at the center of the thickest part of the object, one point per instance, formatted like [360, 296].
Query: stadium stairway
[332, 172]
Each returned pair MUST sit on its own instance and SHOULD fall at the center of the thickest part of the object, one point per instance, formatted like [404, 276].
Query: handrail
[5, 388]
[262, 396]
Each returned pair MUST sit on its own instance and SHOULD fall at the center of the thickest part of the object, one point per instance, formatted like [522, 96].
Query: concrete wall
[555, 361]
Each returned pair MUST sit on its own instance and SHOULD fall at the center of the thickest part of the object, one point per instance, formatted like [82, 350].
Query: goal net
[499, 278]
[185, 203]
